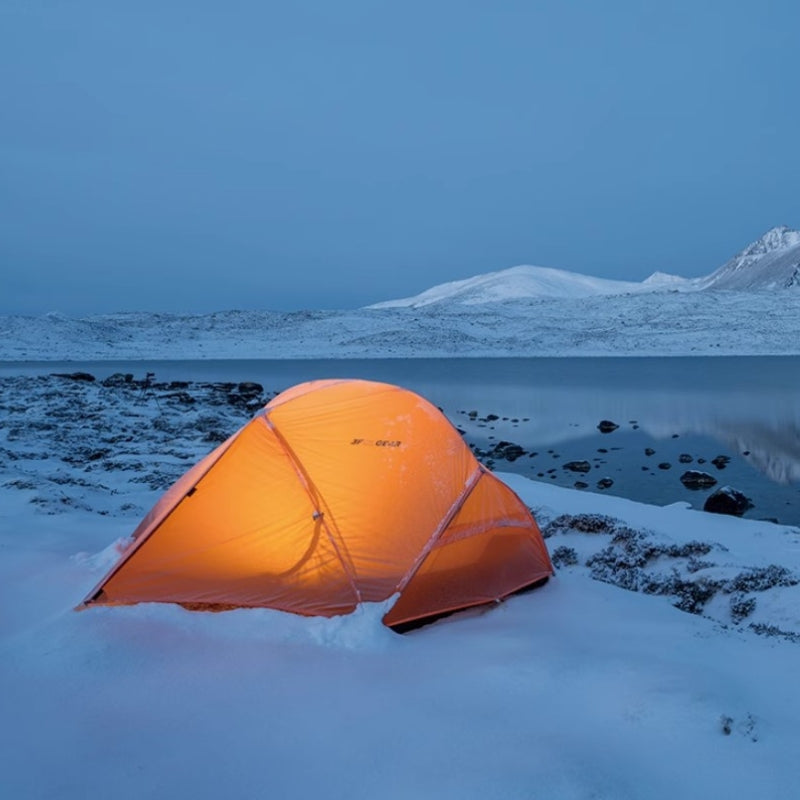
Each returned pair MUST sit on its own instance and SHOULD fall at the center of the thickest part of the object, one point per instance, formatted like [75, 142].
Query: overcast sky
[197, 156]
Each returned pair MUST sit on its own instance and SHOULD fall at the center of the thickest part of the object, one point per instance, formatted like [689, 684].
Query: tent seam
[307, 483]
[448, 517]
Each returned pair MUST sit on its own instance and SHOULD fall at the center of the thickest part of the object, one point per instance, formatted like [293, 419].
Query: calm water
[747, 408]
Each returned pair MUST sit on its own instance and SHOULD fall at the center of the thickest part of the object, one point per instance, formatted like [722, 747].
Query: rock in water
[607, 426]
[727, 500]
[578, 466]
[694, 479]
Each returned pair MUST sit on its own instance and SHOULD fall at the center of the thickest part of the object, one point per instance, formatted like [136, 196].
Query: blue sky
[195, 156]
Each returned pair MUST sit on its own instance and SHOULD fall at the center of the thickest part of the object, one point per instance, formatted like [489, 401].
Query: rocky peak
[779, 238]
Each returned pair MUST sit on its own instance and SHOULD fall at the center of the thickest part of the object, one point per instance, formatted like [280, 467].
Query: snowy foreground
[660, 662]
[655, 323]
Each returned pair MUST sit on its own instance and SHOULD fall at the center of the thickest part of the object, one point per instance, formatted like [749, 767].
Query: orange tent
[337, 492]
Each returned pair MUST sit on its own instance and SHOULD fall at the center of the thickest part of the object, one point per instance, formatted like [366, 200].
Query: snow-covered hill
[518, 283]
[771, 262]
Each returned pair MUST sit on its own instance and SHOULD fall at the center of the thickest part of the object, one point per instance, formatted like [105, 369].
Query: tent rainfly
[337, 492]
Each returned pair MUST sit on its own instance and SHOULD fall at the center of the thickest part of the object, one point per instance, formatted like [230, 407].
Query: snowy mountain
[518, 283]
[771, 262]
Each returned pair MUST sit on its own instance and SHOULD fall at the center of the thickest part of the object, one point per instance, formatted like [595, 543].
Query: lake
[744, 408]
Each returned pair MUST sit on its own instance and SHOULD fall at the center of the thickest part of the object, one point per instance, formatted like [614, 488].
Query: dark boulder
[507, 450]
[605, 483]
[75, 376]
[727, 500]
[648, 451]
[250, 388]
[694, 479]
[578, 466]
[720, 462]
[685, 458]
[665, 465]
[607, 426]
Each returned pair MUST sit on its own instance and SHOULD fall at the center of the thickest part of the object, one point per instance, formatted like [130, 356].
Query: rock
[720, 462]
[491, 417]
[581, 485]
[564, 557]
[507, 450]
[117, 379]
[250, 388]
[685, 458]
[180, 397]
[648, 451]
[578, 466]
[607, 426]
[727, 500]
[694, 479]
[605, 483]
[665, 465]
[74, 376]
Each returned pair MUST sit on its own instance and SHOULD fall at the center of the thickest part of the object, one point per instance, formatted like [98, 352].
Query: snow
[521, 311]
[647, 324]
[579, 689]
[516, 283]
[772, 262]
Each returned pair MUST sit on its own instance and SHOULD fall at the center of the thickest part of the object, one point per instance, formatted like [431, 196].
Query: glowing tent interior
[337, 492]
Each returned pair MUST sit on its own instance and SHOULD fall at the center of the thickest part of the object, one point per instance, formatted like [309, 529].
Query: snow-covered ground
[661, 661]
[662, 323]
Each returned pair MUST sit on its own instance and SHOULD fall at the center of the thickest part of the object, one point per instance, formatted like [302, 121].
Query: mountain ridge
[770, 262]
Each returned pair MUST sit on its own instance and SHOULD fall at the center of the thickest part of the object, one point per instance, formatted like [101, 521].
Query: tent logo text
[378, 442]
